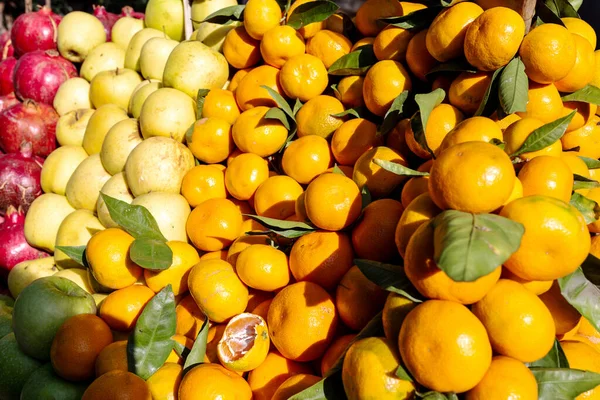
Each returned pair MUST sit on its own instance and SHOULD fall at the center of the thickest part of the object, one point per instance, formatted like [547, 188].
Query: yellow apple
[99, 124]
[115, 187]
[106, 57]
[75, 230]
[124, 29]
[132, 55]
[120, 140]
[70, 128]
[170, 210]
[140, 94]
[59, 166]
[114, 87]
[154, 55]
[167, 112]
[84, 185]
[167, 15]
[43, 219]
[79, 33]
[72, 95]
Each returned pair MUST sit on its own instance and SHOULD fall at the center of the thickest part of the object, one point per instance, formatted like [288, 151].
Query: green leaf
[297, 105]
[546, 15]
[226, 15]
[389, 277]
[394, 114]
[589, 94]
[433, 396]
[591, 269]
[489, 102]
[454, 66]
[562, 8]
[576, 4]
[563, 383]
[136, 220]
[545, 135]
[314, 11]
[498, 142]
[554, 359]
[153, 254]
[468, 246]
[365, 196]
[202, 93]
[351, 111]
[583, 295]
[587, 207]
[581, 182]
[416, 20]
[150, 343]
[75, 253]
[189, 133]
[279, 115]
[513, 87]
[426, 102]
[329, 388]
[355, 63]
[281, 103]
[591, 163]
[403, 374]
[287, 229]
[198, 351]
[398, 169]
[337, 170]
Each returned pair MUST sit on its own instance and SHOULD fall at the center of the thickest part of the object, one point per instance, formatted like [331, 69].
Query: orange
[352, 139]
[373, 236]
[446, 35]
[535, 287]
[263, 267]
[249, 92]
[215, 333]
[493, 39]
[303, 77]
[442, 120]
[306, 158]
[294, 385]
[506, 378]
[584, 357]
[260, 16]
[566, 317]
[443, 81]
[257, 297]
[471, 129]
[517, 321]
[212, 381]
[235, 80]
[276, 197]
[474, 177]
[544, 103]
[444, 346]
[410, 7]
[396, 139]
[517, 192]
[189, 318]
[322, 258]
[113, 357]
[596, 80]
[281, 43]
[369, 13]
[369, 371]
[267, 377]
[556, 239]
[379, 181]
[549, 52]
[107, 254]
[391, 43]
[413, 188]
[328, 46]
[302, 307]
[332, 202]
[515, 5]
[309, 30]
[263, 309]
[217, 290]
[242, 243]
[220, 103]
[585, 112]
[335, 351]
[214, 224]
[395, 310]
[316, 117]
[240, 49]
[586, 138]
[121, 309]
[516, 134]
[506, 121]
[548, 176]
[583, 72]
[203, 182]
[350, 296]
[77, 344]
[582, 28]
[418, 58]
[211, 140]
[419, 211]
[245, 174]
[244, 344]
[362, 42]
[253, 133]
[467, 90]
[120, 385]
[383, 83]
[164, 383]
[185, 257]
[350, 91]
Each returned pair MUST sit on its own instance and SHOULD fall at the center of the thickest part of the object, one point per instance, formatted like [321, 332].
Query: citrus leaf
[587, 207]
[403, 374]
[189, 133]
[581, 182]
[489, 102]
[337, 170]
[281, 103]
[576, 4]
[498, 142]
[151, 254]
[198, 351]
[394, 114]
[583, 295]
[389, 277]
[180, 349]
[554, 359]
[150, 343]
[329, 388]
[546, 15]
[75, 253]
[426, 102]
[513, 87]
[434, 396]
[279, 115]
[277, 225]
[591, 269]
[416, 20]
[297, 105]
[365, 196]
[562, 8]
[398, 169]
[355, 63]
[468, 246]
[589, 94]
[136, 220]
[453, 66]
[226, 15]
[314, 11]
[202, 93]
[287, 233]
[545, 135]
[591, 163]
[563, 383]
[351, 111]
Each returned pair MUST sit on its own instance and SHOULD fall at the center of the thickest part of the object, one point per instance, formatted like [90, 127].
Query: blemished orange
[582, 28]
[220, 103]
[362, 42]
[260, 16]
[302, 307]
[335, 351]
[549, 53]
[164, 383]
[276, 369]
[245, 174]
[585, 357]
[556, 239]
[281, 43]
[431, 281]
[446, 35]
[309, 30]
[240, 49]
[113, 357]
[373, 235]
[418, 58]
[548, 176]
[391, 43]
[263, 267]
[493, 39]
[253, 133]
[188, 317]
[212, 381]
[276, 197]
[244, 344]
[121, 309]
[107, 254]
[303, 77]
[294, 385]
[383, 83]
[321, 257]
[235, 80]
[211, 141]
[395, 310]
[349, 91]
[462, 353]
[475, 177]
[350, 297]
[120, 385]
[77, 344]
[242, 243]
[442, 120]
[543, 102]
[419, 211]
[185, 257]
[249, 92]
[328, 46]
[566, 317]
[352, 139]
[333, 202]
[214, 224]
[467, 90]
[586, 138]
[585, 112]
[506, 378]
[305, 158]
[369, 370]
[379, 181]
[471, 129]
[516, 134]
[583, 71]
[535, 287]
[369, 13]
[517, 321]
[203, 182]
[316, 117]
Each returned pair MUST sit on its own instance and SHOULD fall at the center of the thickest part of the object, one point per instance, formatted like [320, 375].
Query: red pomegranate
[8, 101]
[6, 74]
[108, 19]
[39, 74]
[28, 122]
[35, 31]
[128, 11]
[20, 176]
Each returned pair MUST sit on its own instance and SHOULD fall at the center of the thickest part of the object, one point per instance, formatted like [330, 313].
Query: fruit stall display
[277, 200]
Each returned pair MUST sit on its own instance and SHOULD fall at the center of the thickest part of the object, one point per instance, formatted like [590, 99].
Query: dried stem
[187, 19]
[48, 3]
[528, 12]
[28, 6]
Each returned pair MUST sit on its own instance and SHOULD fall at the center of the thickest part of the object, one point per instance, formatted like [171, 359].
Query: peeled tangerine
[245, 343]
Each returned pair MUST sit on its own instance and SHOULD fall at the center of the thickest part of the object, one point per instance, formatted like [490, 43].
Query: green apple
[84, 186]
[41, 309]
[134, 50]
[114, 87]
[72, 95]
[70, 127]
[117, 188]
[78, 34]
[167, 15]
[167, 112]
[75, 230]
[43, 219]
[44, 384]
[59, 166]
[5, 320]
[6, 301]
[120, 140]
[26, 272]
[154, 55]
[124, 29]
[106, 57]
[15, 368]
[140, 94]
